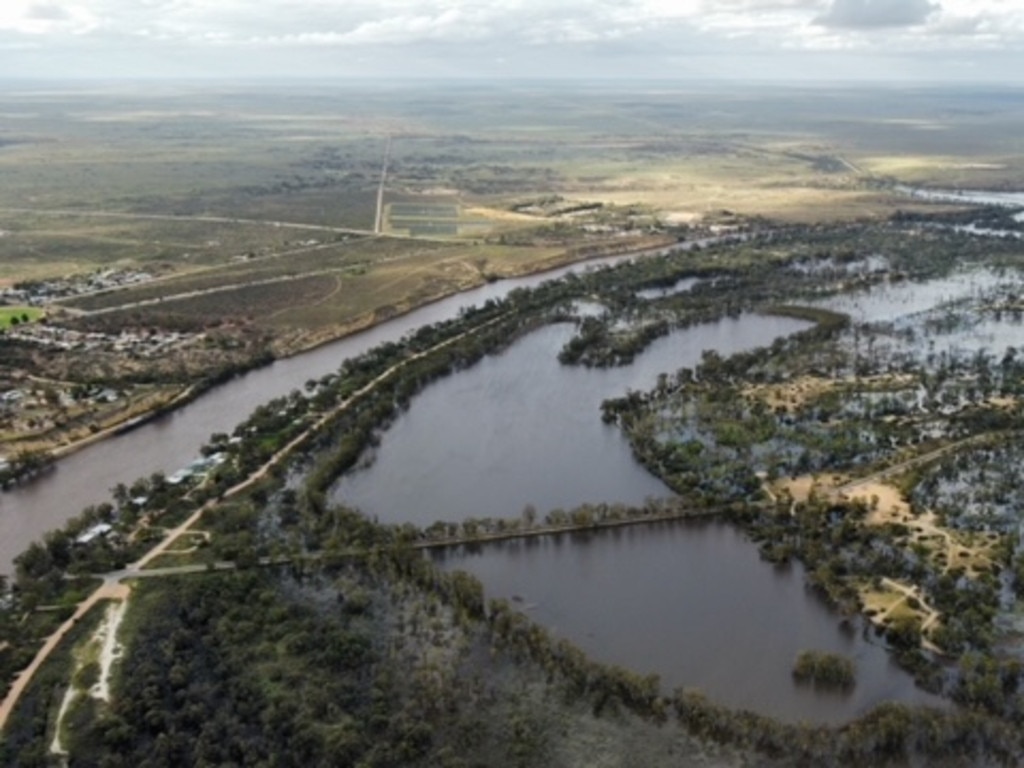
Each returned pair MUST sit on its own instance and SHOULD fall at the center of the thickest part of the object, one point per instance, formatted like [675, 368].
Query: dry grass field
[256, 209]
[313, 158]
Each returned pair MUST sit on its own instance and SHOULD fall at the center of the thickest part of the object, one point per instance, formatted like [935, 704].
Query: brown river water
[690, 601]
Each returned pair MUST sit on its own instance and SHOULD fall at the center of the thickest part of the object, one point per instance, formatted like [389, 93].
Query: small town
[41, 293]
[135, 344]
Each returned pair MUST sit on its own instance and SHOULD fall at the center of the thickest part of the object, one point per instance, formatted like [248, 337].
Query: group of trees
[827, 670]
[323, 660]
[712, 441]
[24, 465]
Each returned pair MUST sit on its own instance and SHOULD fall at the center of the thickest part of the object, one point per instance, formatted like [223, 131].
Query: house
[98, 531]
[179, 477]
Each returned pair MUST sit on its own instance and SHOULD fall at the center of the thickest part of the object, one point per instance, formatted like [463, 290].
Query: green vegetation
[827, 670]
[332, 639]
[14, 316]
[352, 664]
[26, 739]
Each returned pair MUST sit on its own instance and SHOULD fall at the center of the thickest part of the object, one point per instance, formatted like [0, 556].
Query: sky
[777, 40]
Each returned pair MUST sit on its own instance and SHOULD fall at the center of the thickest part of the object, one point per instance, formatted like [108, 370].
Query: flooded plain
[690, 601]
[693, 602]
[520, 428]
[168, 443]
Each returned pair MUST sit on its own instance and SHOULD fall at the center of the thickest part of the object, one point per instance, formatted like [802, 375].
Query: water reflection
[521, 428]
[693, 602]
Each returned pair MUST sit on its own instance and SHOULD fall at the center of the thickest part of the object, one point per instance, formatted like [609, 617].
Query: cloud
[45, 18]
[876, 14]
[660, 38]
[47, 12]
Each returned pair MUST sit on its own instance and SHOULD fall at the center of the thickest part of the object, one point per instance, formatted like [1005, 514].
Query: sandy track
[111, 590]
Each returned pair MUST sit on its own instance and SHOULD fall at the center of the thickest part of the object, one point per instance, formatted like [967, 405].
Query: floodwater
[167, 444]
[692, 602]
[975, 197]
[689, 601]
[520, 428]
[684, 285]
[891, 301]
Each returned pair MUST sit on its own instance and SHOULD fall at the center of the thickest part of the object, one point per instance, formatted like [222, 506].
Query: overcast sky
[888, 40]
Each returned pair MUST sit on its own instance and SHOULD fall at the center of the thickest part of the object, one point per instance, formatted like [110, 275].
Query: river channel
[972, 197]
[691, 602]
[169, 443]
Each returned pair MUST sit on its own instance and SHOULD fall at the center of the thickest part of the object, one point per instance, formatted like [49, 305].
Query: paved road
[378, 221]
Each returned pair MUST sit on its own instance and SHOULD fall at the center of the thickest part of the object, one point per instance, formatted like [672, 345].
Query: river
[28, 511]
[974, 197]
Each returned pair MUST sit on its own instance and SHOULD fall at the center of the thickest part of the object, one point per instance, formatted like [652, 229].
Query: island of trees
[298, 631]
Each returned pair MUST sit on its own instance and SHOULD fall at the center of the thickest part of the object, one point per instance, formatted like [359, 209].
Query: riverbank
[135, 420]
[112, 586]
[539, 575]
[306, 343]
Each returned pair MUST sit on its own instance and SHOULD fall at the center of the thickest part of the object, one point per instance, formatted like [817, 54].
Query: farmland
[177, 238]
[313, 294]
[237, 225]
[425, 219]
[15, 315]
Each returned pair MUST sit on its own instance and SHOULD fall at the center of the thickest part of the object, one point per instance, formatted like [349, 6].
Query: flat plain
[153, 243]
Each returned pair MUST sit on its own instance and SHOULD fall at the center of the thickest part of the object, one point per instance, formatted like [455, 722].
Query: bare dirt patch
[681, 217]
[496, 214]
[791, 394]
[950, 549]
[110, 648]
[891, 601]
[799, 391]
[801, 488]
[885, 502]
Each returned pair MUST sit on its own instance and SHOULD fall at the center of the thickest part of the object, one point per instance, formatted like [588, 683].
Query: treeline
[583, 517]
[889, 734]
[826, 670]
[24, 465]
[595, 345]
[770, 270]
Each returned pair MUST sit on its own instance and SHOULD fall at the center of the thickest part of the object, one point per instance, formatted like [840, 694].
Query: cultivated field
[251, 214]
[17, 315]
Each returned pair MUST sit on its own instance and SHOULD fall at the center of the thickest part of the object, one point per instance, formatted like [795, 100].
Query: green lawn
[14, 315]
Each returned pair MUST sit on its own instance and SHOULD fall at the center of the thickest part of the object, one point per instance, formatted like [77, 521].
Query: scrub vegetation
[876, 447]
